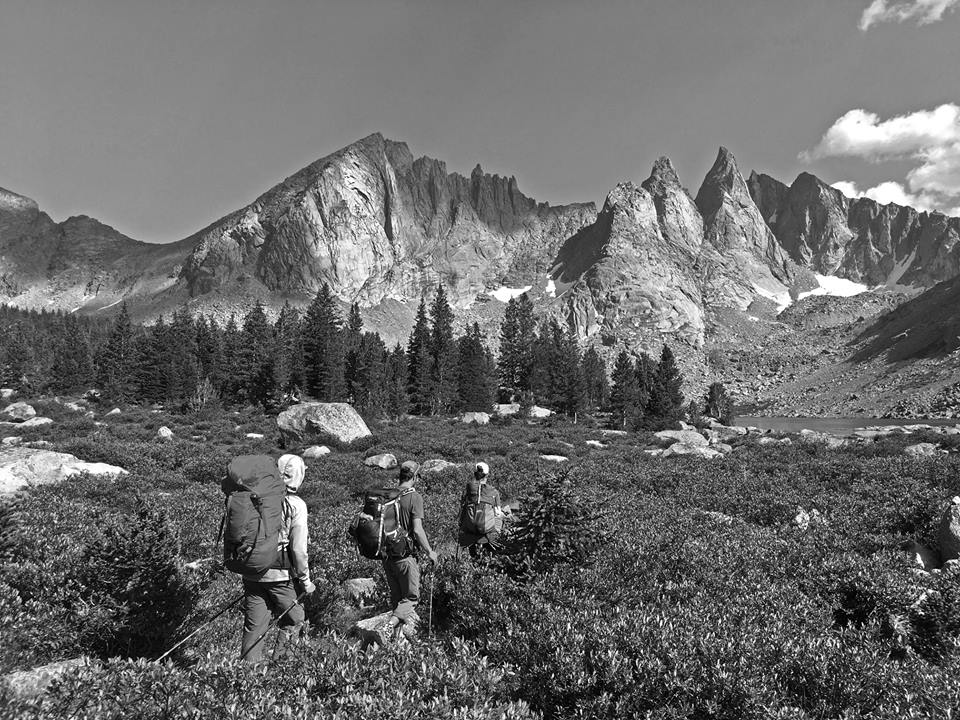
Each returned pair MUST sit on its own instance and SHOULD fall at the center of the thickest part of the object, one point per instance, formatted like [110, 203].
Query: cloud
[928, 138]
[886, 193]
[924, 11]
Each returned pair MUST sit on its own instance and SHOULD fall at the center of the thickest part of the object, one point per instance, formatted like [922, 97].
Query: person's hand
[307, 587]
[433, 556]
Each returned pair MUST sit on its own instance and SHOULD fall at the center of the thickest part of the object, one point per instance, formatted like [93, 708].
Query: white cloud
[923, 11]
[886, 193]
[930, 138]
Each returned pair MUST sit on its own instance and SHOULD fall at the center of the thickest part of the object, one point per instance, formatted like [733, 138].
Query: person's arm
[421, 537]
[297, 538]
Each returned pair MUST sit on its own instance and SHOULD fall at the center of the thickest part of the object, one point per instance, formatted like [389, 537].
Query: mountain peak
[663, 173]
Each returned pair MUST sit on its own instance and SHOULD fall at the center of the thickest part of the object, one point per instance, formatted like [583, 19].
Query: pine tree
[595, 379]
[152, 372]
[518, 336]
[323, 348]
[207, 346]
[288, 360]
[230, 369]
[397, 371]
[475, 373]
[72, 368]
[369, 386]
[665, 405]
[115, 368]
[718, 404]
[625, 402]
[257, 378]
[443, 354]
[419, 362]
[180, 353]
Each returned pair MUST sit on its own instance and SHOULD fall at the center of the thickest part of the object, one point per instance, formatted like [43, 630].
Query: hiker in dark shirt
[481, 514]
[403, 574]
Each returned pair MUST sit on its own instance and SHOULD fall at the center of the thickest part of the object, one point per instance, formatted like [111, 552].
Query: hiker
[481, 514]
[275, 591]
[403, 572]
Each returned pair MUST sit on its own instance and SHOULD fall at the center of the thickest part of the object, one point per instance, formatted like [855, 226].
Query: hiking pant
[261, 601]
[403, 578]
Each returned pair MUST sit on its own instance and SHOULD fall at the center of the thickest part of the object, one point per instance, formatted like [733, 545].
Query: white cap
[482, 468]
[292, 470]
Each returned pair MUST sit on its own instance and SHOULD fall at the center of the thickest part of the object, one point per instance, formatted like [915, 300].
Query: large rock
[922, 556]
[18, 412]
[359, 591]
[165, 433]
[950, 531]
[700, 451]
[375, 631]
[923, 449]
[476, 418]
[7, 393]
[540, 412]
[339, 421]
[688, 437]
[506, 409]
[316, 451]
[25, 684]
[22, 467]
[385, 461]
[437, 465]
[554, 458]
[36, 422]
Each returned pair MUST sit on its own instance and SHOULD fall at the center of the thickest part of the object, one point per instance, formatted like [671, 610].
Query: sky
[160, 116]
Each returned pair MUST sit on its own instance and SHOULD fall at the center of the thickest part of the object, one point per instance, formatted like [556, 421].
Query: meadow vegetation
[638, 587]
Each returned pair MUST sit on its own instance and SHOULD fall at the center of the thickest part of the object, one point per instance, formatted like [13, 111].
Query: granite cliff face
[79, 262]
[375, 223]
[655, 261]
[861, 240]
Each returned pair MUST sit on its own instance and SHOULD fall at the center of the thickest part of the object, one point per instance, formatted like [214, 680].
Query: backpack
[377, 528]
[477, 517]
[253, 515]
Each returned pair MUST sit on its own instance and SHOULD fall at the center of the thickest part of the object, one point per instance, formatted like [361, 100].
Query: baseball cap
[409, 470]
[482, 468]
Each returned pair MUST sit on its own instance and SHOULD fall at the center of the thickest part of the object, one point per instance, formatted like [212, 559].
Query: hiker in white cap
[481, 514]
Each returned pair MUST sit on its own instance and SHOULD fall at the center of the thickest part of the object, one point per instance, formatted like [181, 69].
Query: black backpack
[253, 515]
[477, 515]
[377, 528]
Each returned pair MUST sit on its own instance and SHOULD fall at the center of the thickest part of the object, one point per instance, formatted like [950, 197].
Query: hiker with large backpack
[481, 514]
[265, 541]
[389, 528]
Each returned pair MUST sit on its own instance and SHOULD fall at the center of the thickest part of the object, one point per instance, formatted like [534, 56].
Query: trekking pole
[205, 624]
[272, 622]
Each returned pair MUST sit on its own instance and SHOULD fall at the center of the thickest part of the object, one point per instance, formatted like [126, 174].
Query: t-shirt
[411, 506]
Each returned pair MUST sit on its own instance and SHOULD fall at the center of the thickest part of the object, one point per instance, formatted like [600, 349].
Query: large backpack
[377, 528]
[477, 517]
[253, 515]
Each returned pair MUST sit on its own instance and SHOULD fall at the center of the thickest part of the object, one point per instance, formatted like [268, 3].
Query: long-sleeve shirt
[292, 543]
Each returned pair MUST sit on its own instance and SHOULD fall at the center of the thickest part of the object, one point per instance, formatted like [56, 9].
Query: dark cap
[409, 470]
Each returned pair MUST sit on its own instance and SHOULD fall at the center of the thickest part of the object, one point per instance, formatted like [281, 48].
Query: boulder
[316, 451]
[553, 458]
[6, 393]
[26, 684]
[477, 418]
[115, 411]
[254, 436]
[687, 437]
[437, 466]
[774, 441]
[12, 440]
[722, 447]
[701, 451]
[384, 460]
[614, 433]
[506, 409]
[335, 420]
[359, 591]
[949, 535]
[18, 412]
[923, 449]
[540, 412]
[596, 444]
[22, 467]
[75, 407]
[726, 433]
[923, 557]
[36, 422]
[165, 433]
[376, 632]
[40, 444]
